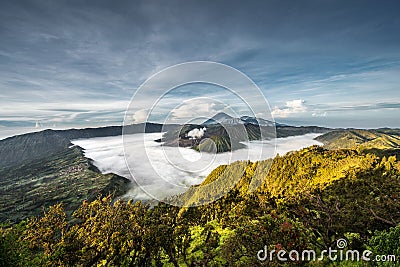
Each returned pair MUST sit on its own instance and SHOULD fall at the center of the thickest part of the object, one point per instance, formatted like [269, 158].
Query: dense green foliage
[386, 241]
[307, 200]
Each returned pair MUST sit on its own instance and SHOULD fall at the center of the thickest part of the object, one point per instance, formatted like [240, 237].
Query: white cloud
[196, 133]
[140, 116]
[291, 107]
[316, 114]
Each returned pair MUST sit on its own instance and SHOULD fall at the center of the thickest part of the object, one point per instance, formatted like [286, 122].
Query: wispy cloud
[321, 114]
[291, 107]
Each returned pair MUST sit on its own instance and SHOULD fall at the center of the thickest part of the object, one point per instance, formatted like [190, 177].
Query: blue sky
[318, 62]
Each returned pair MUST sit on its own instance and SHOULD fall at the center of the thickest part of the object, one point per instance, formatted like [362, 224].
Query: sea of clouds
[163, 171]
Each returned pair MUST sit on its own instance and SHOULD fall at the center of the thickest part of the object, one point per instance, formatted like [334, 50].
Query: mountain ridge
[223, 118]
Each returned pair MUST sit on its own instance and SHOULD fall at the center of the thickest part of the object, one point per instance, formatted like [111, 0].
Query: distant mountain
[286, 131]
[225, 133]
[257, 121]
[223, 118]
[228, 136]
[32, 146]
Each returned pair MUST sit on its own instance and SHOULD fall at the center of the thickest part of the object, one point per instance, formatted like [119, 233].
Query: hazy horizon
[6, 132]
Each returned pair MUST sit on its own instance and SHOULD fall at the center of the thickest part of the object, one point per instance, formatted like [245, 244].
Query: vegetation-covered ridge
[363, 139]
[307, 200]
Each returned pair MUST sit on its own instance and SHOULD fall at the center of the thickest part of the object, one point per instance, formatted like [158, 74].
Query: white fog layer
[169, 168]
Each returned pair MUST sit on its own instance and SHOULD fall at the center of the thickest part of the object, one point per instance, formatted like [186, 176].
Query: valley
[317, 182]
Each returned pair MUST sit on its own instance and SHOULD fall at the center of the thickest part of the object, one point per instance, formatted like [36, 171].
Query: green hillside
[308, 200]
[364, 139]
